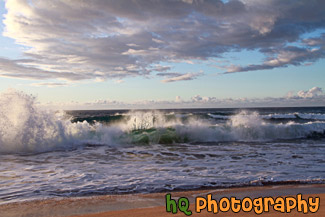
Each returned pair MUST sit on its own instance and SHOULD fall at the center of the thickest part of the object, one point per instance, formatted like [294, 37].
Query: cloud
[285, 57]
[116, 39]
[204, 99]
[313, 92]
[178, 99]
[169, 74]
[172, 77]
[16, 69]
[119, 81]
[312, 97]
[49, 84]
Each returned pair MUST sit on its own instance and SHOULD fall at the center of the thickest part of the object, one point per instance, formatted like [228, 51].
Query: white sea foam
[312, 116]
[309, 116]
[24, 127]
[250, 126]
[218, 116]
[280, 116]
[114, 167]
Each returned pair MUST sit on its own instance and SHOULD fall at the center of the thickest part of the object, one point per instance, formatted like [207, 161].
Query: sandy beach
[154, 204]
[160, 212]
[144, 108]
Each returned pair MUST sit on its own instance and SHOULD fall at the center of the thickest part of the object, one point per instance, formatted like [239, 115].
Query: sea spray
[26, 128]
[113, 152]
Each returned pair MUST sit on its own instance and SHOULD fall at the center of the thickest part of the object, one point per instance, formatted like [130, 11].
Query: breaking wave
[25, 127]
[310, 116]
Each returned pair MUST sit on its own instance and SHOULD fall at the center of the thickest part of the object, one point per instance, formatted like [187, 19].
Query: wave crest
[24, 127]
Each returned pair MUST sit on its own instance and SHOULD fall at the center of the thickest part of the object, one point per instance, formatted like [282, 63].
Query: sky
[107, 54]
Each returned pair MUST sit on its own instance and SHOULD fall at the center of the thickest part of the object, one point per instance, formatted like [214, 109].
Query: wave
[216, 116]
[312, 116]
[304, 116]
[24, 128]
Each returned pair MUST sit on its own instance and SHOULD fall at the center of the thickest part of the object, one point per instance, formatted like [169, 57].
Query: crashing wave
[24, 127]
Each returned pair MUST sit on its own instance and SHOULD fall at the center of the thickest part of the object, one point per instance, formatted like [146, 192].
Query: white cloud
[74, 40]
[178, 99]
[119, 81]
[313, 92]
[312, 97]
[181, 77]
[284, 57]
[49, 84]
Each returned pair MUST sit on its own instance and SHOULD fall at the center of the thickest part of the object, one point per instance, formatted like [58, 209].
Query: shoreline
[110, 205]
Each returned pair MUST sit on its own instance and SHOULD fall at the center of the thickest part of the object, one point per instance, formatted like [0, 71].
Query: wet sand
[154, 204]
[161, 212]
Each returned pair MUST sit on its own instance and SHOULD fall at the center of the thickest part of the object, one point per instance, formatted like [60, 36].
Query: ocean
[46, 154]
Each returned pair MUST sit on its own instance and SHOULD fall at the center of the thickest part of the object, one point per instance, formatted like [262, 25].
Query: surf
[27, 128]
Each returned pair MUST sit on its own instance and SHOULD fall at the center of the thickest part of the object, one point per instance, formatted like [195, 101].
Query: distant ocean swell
[24, 128]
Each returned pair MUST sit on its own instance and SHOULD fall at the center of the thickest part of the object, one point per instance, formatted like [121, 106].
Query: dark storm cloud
[100, 39]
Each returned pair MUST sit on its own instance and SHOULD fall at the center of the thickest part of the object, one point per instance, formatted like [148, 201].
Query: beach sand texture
[154, 204]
